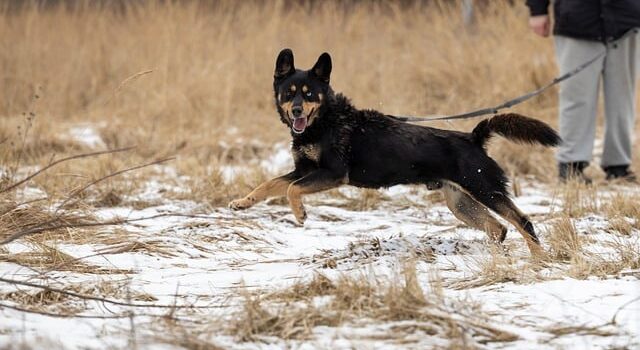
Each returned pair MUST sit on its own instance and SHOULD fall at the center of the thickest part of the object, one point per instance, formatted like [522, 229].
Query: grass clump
[293, 313]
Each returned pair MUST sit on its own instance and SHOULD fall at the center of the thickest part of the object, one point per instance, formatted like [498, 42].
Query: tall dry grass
[210, 85]
[293, 313]
[179, 78]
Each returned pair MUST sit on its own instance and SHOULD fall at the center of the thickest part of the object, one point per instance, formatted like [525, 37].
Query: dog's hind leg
[489, 186]
[273, 188]
[473, 213]
[505, 207]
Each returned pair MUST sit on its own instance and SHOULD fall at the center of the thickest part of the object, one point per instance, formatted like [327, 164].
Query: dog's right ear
[284, 64]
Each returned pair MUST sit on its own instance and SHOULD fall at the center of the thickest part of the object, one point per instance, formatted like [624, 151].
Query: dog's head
[300, 94]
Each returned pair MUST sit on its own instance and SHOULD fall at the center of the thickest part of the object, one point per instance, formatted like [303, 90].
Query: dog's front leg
[319, 180]
[273, 188]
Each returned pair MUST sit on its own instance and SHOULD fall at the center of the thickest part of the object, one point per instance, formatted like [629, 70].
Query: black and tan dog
[335, 144]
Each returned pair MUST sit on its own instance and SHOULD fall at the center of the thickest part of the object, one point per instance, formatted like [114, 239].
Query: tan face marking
[286, 107]
[292, 88]
[305, 88]
[310, 107]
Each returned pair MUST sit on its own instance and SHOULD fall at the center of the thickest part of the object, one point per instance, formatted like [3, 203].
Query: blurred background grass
[193, 78]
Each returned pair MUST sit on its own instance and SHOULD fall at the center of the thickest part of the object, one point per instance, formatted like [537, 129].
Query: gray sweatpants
[579, 98]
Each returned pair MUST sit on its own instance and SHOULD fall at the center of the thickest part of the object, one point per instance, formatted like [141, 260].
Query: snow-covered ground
[202, 257]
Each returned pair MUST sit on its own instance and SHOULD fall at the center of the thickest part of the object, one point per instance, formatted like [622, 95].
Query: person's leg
[619, 77]
[578, 100]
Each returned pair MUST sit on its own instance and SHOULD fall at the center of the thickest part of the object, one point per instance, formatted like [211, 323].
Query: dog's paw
[301, 214]
[242, 203]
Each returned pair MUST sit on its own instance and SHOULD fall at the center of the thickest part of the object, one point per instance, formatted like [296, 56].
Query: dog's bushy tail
[517, 128]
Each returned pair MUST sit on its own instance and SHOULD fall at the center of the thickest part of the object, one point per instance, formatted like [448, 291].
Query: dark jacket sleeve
[538, 7]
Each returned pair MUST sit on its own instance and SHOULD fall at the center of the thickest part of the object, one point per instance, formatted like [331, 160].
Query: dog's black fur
[334, 143]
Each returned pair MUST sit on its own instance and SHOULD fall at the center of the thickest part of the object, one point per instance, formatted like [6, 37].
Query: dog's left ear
[322, 68]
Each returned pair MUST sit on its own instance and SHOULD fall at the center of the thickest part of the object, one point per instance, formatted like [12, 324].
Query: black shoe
[620, 172]
[573, 171]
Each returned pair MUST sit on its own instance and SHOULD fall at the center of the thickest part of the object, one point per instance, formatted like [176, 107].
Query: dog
[334, 144]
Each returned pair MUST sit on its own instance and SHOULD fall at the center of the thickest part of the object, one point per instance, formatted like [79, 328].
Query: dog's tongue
[299, 124]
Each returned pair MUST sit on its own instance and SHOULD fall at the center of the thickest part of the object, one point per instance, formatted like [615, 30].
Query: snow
[87, 135]
[278, 162]
[204, 255]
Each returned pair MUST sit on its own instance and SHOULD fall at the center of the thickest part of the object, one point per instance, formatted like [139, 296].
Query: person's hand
[540, 25]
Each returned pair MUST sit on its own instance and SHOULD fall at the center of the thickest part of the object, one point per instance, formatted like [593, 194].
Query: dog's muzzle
[299, 120]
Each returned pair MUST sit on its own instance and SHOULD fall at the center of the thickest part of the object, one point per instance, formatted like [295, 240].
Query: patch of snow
[280, 161]
[230, 172]
[86, 135]
[187, 254]
[29, 193]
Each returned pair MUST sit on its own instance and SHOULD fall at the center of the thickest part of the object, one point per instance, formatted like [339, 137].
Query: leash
[515, 101]
[507, 104]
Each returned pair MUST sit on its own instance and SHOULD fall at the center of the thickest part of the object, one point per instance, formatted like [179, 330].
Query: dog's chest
[310, 151]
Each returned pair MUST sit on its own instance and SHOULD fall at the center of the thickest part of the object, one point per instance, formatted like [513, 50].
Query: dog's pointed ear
[284, 64]
[322, 68]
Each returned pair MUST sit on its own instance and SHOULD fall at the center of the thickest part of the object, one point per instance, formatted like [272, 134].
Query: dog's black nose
[296, 110]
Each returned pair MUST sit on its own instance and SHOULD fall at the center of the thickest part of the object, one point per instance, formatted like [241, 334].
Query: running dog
[336, 144]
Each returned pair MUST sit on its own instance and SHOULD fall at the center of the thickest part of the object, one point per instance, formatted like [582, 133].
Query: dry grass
[51, 301]
[625, 255]
[194, 81]
[623, 212]
[150, 247]
[41, 224]
[569, 254]
[294, 313]
[568, 247]
[182, 337]
[563, 240]
[45, 257]
[212, 189]
[364, 200]
[15, 216]
[208, 97]
[562, 330]
[578, 199]
[191, 81]
[364, 251]
[498, 267]
[621, 225]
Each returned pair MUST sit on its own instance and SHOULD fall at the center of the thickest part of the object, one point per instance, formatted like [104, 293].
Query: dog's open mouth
[299, 124]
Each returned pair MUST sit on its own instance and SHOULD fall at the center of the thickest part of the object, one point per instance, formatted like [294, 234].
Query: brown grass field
[194, 81]
[189, 84]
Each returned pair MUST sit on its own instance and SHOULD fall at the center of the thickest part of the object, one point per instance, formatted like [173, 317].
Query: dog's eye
[308, 94]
